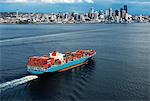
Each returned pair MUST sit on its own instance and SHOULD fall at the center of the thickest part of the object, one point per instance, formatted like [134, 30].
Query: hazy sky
[48, 6]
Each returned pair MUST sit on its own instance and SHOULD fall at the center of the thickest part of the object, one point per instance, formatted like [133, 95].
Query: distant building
[17, 15]
[92, 10]
[101, 12]
[106, 13]
[116, 13]
[126, 8]
[106, 16]
[110, 12]
[96, 17]
[82, 18]
[123, 14]
[91, 13]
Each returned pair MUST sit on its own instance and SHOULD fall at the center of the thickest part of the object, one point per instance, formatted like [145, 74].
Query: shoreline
[69, 23]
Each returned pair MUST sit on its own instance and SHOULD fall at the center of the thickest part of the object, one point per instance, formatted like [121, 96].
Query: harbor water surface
[119, 71]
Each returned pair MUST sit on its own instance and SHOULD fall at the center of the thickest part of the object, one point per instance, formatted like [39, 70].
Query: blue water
[119, 71]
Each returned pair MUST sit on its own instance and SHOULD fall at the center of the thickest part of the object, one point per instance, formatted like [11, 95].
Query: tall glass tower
[126, 8]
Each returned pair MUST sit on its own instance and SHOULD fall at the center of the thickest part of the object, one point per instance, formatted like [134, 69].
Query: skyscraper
[110, 12]
[121, 12]
[126, 8]
[116, 13]
[17, 15]
[91, 12]
[106, 13]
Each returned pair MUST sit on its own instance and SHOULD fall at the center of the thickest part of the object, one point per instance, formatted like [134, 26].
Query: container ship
[58, 62]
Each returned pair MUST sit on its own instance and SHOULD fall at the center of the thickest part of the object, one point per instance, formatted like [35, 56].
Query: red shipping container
[52, 61]
[45, 66]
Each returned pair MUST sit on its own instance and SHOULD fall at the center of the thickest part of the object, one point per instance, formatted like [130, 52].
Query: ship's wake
[13, 83]
[41, 38]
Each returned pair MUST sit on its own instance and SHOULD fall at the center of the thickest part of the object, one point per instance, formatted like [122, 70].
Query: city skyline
[136, 7]
[92, 16]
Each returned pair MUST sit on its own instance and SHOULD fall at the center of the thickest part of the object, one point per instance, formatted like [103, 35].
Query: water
[119, 71]
[16, 82]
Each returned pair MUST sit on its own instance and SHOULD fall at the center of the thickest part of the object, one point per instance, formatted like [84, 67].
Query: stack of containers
[37, 61]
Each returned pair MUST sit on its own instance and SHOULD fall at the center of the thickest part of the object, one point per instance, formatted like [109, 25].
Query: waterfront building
[141, 18]
[107, 16]
[82, 18]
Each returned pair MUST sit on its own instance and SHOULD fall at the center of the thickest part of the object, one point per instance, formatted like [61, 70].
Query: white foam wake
[13, 83]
